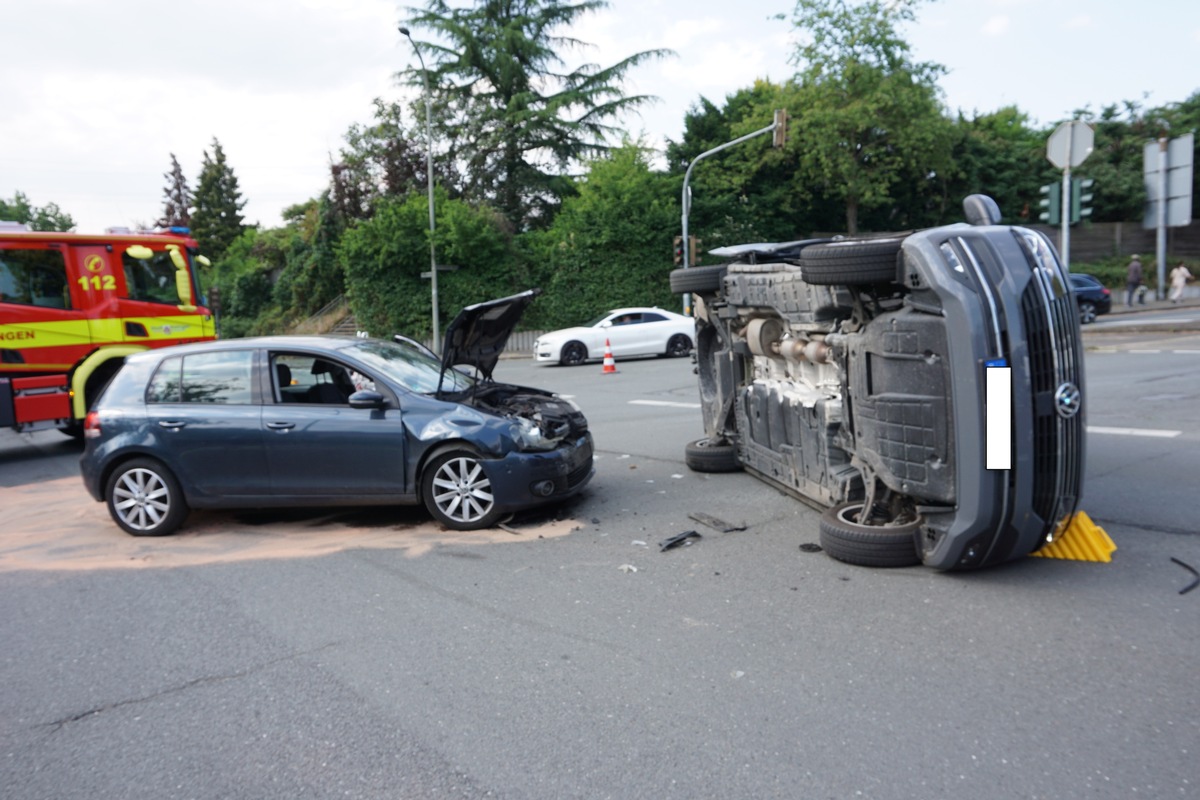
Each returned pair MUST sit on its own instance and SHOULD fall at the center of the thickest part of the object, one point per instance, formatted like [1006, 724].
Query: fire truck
[73, 306]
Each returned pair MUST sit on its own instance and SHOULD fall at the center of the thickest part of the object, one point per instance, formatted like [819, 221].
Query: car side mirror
[366, 398]
[606, 324]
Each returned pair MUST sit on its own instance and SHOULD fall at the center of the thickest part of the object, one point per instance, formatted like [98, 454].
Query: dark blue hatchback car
[327, 421]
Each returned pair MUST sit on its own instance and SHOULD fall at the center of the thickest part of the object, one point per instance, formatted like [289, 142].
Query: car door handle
[281, 426]
[172, 424]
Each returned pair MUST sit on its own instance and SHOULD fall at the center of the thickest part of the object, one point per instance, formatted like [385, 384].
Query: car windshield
[593, 323]
[409, 367]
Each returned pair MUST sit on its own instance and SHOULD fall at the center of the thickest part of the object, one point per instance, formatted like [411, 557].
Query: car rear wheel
[458, 493]
[705, 455]
[573, 354]
[679, 346]
[884, 545]
[1087, 313]
[851, 262]
[144, 498]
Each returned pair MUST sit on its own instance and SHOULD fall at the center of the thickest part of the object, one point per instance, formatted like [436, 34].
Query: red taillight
[91, 425]
[1106, 292]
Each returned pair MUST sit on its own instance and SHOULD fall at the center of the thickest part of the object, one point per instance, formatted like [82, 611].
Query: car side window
[649, 317]
[34, 277]
[220, 378]
[302, 378]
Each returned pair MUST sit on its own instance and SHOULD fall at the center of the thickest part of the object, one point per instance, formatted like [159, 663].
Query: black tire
[705, 455]
[851, 262]
[697, 279]
[74, 429]
[573, 354]
[458, 493]
[868, 545]
[144, 498]
[678, 346]
[1087, 313]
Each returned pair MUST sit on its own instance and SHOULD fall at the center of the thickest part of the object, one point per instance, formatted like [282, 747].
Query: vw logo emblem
[1068, 400]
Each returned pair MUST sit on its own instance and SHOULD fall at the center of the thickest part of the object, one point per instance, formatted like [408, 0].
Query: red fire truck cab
[73, 305]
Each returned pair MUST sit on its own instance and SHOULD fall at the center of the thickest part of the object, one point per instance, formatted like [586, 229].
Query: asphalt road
[286, 655]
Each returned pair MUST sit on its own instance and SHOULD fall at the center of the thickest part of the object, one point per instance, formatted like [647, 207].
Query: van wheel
[705, 455]
[886, 545]
[851, 262]
[697, 279]
[144, 498]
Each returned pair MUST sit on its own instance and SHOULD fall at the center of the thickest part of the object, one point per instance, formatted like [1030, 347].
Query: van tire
[868, 545]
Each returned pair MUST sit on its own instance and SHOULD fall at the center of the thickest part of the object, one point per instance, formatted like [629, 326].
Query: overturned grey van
[854, 372]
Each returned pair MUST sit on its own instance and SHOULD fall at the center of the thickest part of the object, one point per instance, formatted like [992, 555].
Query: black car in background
[328, 421]
[1092, 297]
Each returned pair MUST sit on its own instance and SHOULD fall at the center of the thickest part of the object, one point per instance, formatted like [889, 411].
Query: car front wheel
[573, 354]
[457, 492]
[145, 499]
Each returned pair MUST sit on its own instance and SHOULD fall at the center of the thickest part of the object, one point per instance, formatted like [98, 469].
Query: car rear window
[221, 378]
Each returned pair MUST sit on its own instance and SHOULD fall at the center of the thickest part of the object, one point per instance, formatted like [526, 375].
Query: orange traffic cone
[610, 366]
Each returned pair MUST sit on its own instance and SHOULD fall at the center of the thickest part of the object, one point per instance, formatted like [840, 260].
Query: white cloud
[996, 26]
[1079, 21]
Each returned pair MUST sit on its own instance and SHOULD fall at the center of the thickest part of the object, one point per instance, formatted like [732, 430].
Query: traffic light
[693, 246]
[678, 249]
[1081, 199]
[780, 127]
[1051, 203]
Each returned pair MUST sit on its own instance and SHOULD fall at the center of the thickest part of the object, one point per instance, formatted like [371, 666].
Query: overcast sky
[94, 97]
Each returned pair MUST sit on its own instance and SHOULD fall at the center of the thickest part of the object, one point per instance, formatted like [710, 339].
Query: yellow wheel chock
[1082, 540]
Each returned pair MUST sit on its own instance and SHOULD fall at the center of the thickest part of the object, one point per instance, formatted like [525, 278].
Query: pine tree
[217, 215]
[506, 107]
[177, 198]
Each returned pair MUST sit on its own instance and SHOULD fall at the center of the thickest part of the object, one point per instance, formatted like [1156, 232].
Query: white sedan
[629, 332]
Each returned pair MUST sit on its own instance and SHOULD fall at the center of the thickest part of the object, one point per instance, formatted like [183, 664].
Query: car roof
[639, 309]
[275, 342]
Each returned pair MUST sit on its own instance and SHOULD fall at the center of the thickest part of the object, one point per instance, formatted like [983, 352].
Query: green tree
[507, 106]
[177, 198]
[217, 217]
[385, 159]
[1000, 155]
[385, 255]
[610, 245]
[871, 120]
[40, 218]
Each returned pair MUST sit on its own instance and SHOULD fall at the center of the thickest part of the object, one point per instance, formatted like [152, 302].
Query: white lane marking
[664, 403]
[1143, 351]
[1135, 432]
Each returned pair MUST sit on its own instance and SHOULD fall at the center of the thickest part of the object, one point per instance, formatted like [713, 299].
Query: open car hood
[477, 336]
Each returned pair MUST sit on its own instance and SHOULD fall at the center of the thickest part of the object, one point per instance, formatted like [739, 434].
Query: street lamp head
[404, 31]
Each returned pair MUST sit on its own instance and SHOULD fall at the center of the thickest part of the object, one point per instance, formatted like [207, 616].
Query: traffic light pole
[780, 120]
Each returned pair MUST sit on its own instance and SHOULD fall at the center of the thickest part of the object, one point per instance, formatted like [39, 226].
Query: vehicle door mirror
[606, 324]
[366, 398]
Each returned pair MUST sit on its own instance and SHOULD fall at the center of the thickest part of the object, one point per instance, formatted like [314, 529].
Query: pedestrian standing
[1133, 279]
[1179, 278]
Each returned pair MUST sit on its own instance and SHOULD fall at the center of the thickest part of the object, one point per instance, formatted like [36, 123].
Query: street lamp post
[433, 271]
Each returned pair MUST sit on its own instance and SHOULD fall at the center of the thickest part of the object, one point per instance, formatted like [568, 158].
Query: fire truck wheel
[144, 498]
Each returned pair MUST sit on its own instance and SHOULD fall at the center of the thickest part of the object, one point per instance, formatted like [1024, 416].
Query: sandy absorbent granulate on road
[55, 525]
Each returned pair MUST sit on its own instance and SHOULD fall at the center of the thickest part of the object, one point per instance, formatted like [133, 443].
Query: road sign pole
[1160, 248]
[1065, 239]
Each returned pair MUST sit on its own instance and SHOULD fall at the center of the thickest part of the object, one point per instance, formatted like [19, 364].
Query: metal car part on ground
[852, 373]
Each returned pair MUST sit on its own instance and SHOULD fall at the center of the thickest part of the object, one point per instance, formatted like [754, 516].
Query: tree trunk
[851, 216]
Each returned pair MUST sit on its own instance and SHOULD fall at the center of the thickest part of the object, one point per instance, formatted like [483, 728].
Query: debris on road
[1195, 581]
[627, 568]
[715, 523]
[677, 540]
